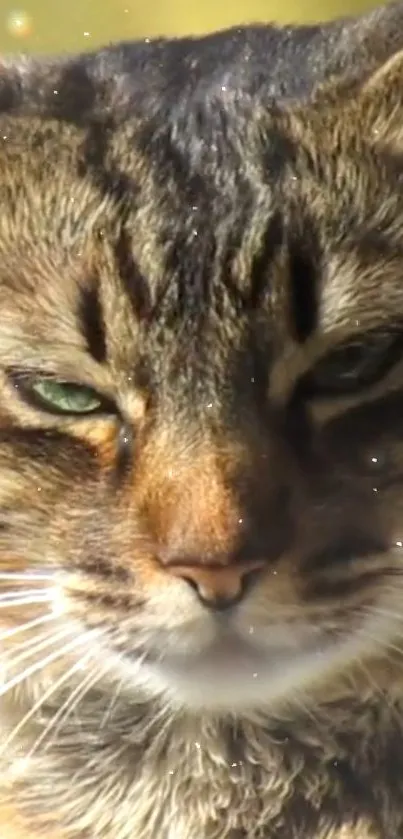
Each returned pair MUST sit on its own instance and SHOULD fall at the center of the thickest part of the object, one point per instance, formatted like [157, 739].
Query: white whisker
[68, 707]
[379, 691]
[111, 704]
[13, 655]
[387, 646]
[27, 601]
[23, 627]
[307, 709]
[25, 577]
[35, 645]
[387, 613]
[38, 704]
[39, 665]
[29, 592]
[373, 684]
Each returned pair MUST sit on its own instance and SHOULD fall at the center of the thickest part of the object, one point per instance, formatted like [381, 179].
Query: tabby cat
[201, 437]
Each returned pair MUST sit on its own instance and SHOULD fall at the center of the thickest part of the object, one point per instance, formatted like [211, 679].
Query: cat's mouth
[225, 656]
[231, 672]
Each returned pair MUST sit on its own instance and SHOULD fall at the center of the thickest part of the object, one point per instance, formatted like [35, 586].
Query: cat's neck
[147, 758]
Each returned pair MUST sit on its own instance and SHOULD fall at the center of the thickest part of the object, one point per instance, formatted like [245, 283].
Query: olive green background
[60, 25]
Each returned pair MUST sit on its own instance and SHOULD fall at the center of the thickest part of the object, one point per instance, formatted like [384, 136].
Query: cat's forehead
[184, 188]
[214, 195]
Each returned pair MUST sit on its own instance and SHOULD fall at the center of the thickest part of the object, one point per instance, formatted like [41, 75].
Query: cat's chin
[221, 667]
[232, 677]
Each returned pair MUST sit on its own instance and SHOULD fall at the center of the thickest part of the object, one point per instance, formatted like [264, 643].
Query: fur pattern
[207, 234]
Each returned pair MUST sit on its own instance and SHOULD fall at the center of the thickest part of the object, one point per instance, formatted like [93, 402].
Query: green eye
[65, 397]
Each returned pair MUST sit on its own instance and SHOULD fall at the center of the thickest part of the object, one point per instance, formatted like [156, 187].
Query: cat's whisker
[305, 708]
[373, 611]
[115, 696]
[42, 699]
[25, 627]
[13, 655]
[26, 576]
[26, 601]
[386, 646]
[68, 707]
[35, 645]
[49, 659]
[383, 696]
[26, 592]
[371, 681]
[391, 588]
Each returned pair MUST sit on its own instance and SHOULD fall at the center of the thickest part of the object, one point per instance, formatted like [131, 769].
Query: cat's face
[201, 443]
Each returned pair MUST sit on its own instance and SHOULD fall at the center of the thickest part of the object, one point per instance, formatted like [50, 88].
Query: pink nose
[216, 586]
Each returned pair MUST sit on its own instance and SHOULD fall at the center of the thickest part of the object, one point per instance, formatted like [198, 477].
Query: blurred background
[62, 25]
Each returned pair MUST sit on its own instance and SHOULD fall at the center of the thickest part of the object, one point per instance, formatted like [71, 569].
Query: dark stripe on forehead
[252, 287]
[112, 182]
[198, 153]
[263, 259]
[171, 162]
[92, 321]
[134, 283]
[303, 260]
[303, 289]
[279, 152]
[118, 186]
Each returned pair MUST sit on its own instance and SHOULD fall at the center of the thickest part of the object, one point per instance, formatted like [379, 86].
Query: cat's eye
[354, 366]
[63, 397]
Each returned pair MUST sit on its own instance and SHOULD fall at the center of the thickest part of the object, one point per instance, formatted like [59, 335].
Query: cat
[201, 446]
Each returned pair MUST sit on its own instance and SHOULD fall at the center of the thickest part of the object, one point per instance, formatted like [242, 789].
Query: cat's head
[201, 436]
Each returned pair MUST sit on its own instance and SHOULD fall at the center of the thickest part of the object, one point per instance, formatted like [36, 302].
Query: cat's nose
[202, 525]
[219, 587]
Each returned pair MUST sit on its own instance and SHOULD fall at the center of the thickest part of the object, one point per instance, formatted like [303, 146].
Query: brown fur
[217, 271]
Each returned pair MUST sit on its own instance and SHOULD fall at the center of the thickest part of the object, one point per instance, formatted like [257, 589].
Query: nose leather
[218, 586]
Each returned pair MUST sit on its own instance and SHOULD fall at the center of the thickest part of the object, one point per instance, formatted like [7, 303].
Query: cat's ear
[381, 102]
